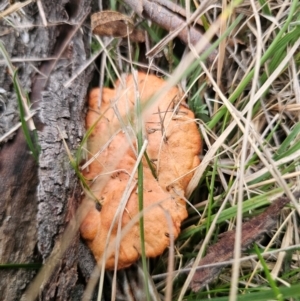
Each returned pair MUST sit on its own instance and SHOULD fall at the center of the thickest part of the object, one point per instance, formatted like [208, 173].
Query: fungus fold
[174, 145]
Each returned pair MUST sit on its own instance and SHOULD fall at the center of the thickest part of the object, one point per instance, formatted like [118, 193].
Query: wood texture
[18, 208]
[37, 201]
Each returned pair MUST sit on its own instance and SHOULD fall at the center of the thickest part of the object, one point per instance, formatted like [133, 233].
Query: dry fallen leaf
[111, 23]
[174, 147]
[223, 250]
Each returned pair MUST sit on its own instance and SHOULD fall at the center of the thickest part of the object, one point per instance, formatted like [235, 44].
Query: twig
[173, 22]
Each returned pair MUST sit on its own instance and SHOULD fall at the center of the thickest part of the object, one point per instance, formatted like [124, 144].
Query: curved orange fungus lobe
[174, 144]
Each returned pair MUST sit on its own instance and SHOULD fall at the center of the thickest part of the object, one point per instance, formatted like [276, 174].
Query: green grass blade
[268, 54]
[287, 141]
[214, 45]
[9, 266]
[33, 146]
[141, 194]
[265, 7]
[272, 283]
[263, 294]
[226, 214]
[150, 166]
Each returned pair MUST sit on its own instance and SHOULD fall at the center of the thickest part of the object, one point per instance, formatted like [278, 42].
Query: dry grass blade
[14, 8]
[239, 235]
[18, 125]
[166, 18]
[23, 98]
[42, 12]
[223, 250]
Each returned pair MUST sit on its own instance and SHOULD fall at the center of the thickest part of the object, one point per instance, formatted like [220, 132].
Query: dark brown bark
[18, 232]
[37, 200]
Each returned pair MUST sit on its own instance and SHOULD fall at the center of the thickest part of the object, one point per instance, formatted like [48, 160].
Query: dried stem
[171, 21]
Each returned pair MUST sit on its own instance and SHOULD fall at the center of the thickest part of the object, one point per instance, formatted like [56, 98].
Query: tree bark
[37, 200]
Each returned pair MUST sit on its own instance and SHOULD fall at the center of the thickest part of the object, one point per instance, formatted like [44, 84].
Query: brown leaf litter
[223, 250]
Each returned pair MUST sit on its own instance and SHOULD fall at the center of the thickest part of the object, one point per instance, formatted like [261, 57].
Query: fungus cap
[174, 145]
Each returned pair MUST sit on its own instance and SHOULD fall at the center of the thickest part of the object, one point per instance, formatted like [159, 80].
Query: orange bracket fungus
[111, 230]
